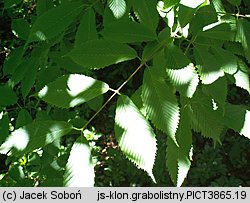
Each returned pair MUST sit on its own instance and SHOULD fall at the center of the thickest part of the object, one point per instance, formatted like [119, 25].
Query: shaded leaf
[8, 96]
[23, 118]
[128, 32]
[160, 103]
[87, 28]
[4, 126]
[147, 12]
[185, 15]
[209, 69]
[72, 90]
[238, 118]
[21, 28]
[33, 136]
[242, 76]
[54, 21]
[80, 168]
[101, 53]
[175, 58]
[132, 128]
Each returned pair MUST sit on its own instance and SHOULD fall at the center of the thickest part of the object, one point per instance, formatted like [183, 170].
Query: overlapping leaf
[80, 168]
[238, 118]
[242, 76]
[71, 90]
[160, 103]
[34, 135]
[8, 96]
[147, 12]
[185, 80]
[128, 32]
[175, 58]
[209, 68]
[101, 53]
[53, 22]
[135, 135]
[178, 158]
[87, 28]
[205, 118]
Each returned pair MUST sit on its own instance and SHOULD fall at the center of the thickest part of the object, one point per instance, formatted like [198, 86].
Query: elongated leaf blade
[178, 158]
[160, 103]
[101, 53]
[80, 169]
[23, 118]
[54, 21]
[128, 32]
[34, 135]
[71, 90]
[134, 134]
[87, 28]
[242, 76]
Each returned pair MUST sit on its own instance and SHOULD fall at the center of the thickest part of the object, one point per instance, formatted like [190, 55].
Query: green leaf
[80, 168]
[101, 53]
[13, 60]
[218, 5]
[29, 78]
[192, 4]
[118, 7]
[72, 90]
[4, 126]
[185, 80]
[147, 12]
[54, 21]
[128, 32]
[43, 5]
[8, 97]
[227, 60]
[87, 28]
[243, 36]
[170, 3]
[201, 18]
[96, 103]
[217, 90]
[209, 69]
[242, 76]
[178, 158]
[21, 28]
[11, 3]
[175, 58]
[185, 15]
[160, 103]
[205, 116]
[235, 2]
[238, 118]
[137, 100]
[34, 135]
[23, 118]
[134, 134]
[222, 31]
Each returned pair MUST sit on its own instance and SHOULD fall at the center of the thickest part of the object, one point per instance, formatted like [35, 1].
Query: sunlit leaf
[238, 118]
[33, 136]
[118, 7]
[185, 80]
[178, 158]
[71, 90]
[160, 103]
[80, 168]
[131, 129]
